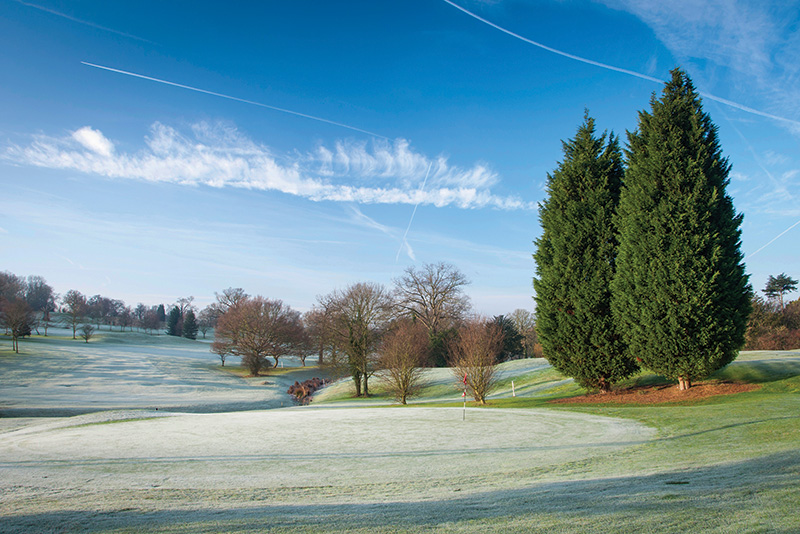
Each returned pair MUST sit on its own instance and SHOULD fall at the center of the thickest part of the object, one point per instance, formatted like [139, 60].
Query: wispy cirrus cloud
[749, 47]
[218, 155]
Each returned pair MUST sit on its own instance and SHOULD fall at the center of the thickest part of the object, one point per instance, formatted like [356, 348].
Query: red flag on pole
[465, 379]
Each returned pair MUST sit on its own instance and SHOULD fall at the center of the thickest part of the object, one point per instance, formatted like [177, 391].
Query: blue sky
[318, 129]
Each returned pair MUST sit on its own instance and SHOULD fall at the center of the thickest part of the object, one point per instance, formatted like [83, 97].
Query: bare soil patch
[661, 393]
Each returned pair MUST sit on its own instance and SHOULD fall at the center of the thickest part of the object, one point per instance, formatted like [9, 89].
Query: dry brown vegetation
[661, 393]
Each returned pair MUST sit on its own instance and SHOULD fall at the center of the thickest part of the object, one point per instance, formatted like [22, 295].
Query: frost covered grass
[206, 461]
[58, 376]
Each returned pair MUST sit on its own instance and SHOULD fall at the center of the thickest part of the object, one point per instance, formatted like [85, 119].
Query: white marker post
[464, 395]
[513, 391]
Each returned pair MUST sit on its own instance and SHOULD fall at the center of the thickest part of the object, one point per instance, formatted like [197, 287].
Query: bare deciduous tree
[75, 309]
[473, 356]
[11, 286]
[319, 325]
[206, 320]
[525, 322]
[360, 313]
[139, 311]
[17, 318]
[434, 295]
[404, 352]
[255, 329]
[226, 300]
[184, 304]
[12, 292]
[150, 320]
[42, 300]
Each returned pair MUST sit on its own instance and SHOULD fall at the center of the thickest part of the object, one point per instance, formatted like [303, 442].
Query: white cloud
[94, 140]
[218, 155]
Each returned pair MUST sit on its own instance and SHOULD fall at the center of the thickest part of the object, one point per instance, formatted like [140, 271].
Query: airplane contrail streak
[84, 22]
[772, 241]
[234, 98]
[553, 50]
[422, 187]
[616, 69]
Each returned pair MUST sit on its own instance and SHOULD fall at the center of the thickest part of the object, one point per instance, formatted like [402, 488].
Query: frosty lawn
[722, 465]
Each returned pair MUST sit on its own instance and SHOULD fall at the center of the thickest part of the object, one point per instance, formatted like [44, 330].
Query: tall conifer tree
[680, 292]
[575, 258]
[189, 325]
[174, 322]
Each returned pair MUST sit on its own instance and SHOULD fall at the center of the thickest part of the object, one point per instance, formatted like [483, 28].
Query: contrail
[616, 69]
[84, 22]
[237, 99]
[777, 184]
[422, 187]
[553, 50]
[780, 187]
[772, 241]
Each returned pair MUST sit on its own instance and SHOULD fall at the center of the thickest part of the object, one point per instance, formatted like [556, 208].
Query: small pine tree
[174, 326]
[680, 291]
[575, 258]
[778, 285]
[190, 326]
[161, 314]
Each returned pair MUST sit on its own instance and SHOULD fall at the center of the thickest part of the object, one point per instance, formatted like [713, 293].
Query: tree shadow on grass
[757, 495]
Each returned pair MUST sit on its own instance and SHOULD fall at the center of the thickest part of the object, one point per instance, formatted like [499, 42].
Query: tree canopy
[779, 285]
[256, 329]
[575, 262]
[680, 290]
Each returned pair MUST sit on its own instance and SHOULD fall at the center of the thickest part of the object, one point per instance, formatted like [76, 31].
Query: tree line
[366, 329]
[29, 304]
[425, 319]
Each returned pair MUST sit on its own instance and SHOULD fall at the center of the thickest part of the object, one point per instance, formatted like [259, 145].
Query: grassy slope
[724, 464]
[727, 464]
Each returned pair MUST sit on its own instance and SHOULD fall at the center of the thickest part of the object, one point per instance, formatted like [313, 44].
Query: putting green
[323, 446]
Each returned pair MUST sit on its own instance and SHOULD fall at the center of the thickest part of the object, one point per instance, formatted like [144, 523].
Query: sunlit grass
[721, 464]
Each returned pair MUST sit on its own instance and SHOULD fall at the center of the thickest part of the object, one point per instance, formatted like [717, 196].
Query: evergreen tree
[680, 292]
[174, 322]
[575, 259]
[190, 326]
[512, 339]
[778, 285]
[161, 314]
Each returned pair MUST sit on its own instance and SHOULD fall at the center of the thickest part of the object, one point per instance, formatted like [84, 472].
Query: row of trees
[639, 262]
[346, 329]
[367, 328]
[27, 305]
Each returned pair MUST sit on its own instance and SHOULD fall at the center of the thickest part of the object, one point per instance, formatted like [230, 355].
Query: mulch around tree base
[660, 393]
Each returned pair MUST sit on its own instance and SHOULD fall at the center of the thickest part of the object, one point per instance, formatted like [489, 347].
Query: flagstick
[464, 417]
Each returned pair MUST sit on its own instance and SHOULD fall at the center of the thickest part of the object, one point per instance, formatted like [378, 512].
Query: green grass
[721, 464]
[724, 464]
